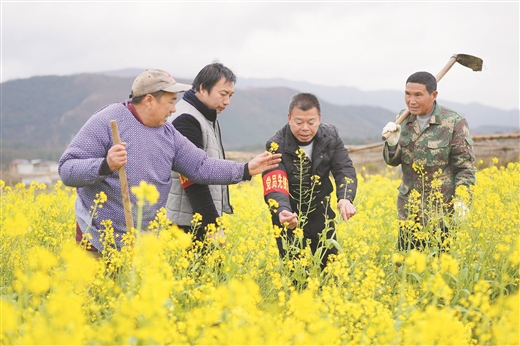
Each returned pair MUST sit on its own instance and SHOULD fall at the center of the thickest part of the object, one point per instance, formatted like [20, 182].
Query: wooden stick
[495, 136]
[353, 149]
[124, 183]
[476, 138]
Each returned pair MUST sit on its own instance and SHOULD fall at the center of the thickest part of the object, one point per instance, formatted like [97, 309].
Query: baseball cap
[154, 80]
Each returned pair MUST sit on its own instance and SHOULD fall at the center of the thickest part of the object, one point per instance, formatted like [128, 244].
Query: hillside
[256, 114]
[481, 118]
[40, 115]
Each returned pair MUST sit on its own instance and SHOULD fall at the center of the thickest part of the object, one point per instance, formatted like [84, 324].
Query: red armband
[185, 182]
[276, 181]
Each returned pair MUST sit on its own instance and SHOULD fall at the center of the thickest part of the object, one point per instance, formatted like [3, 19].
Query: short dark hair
[211, 74]
[304, 101]
[158, 94]
[424, 78]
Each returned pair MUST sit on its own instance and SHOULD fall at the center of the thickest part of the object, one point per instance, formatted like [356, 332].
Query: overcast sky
[368, 45]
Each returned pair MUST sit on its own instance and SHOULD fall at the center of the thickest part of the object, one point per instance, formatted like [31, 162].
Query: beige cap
[151, 81]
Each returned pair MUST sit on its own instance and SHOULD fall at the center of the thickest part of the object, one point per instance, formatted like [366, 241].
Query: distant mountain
[478, 115]
[254, 115]
[40, 115]
[127, 72]
[487, 129]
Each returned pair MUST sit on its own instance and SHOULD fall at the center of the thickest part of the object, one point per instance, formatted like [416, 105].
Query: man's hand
[117, 156]
[219, 236]
[263, 162]
[395, 133]
[346, 209]
[291, 219]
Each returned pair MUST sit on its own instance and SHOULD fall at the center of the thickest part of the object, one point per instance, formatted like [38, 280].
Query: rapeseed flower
[145, 192]
[273, 147]
[166, 290]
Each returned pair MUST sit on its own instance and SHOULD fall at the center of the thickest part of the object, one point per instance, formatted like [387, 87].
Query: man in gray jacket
[196, 119]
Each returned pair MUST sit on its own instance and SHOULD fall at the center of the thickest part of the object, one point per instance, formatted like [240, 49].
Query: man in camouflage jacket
[433, 144]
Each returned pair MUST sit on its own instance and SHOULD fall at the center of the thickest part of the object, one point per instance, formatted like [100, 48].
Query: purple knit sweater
[152, 154]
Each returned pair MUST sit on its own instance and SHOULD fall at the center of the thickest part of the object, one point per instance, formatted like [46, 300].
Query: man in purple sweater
[151, 148]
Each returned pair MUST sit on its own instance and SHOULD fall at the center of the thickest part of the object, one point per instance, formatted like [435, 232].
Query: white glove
[460, 210]
[395, 133]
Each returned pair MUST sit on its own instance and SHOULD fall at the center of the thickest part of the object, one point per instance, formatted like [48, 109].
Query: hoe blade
[470, 61]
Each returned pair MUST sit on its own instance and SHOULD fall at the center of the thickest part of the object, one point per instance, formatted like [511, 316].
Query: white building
[27, 171]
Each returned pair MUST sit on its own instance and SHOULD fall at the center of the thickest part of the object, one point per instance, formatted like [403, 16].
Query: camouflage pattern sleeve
[462, 159]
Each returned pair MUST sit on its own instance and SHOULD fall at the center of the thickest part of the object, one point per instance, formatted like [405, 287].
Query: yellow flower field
[166, 290]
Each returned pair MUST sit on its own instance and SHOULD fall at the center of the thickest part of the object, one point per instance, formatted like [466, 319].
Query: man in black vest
[196, 119]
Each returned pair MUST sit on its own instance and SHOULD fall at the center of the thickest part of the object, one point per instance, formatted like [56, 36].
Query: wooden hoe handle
[124, 183]
[438, 77]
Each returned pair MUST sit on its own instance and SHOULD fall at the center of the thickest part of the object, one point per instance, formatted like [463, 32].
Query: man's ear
[288, 116]
[148, 101]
